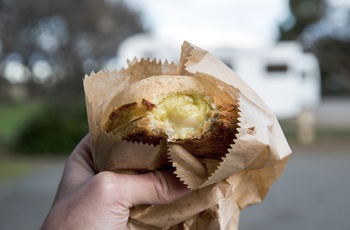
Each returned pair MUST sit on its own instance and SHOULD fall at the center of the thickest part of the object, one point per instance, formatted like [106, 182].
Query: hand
[86, 200]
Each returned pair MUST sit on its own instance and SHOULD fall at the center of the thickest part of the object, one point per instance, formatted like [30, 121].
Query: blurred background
[294, 53]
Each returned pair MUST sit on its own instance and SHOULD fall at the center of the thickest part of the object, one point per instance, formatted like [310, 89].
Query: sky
[241, 22]
[237, 23]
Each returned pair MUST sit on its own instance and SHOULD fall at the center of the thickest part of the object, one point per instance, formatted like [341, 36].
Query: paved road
[24, 202]
[333, 113]
[313, 192]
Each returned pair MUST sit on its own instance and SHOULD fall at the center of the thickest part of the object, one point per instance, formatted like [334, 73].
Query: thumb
[158, 187]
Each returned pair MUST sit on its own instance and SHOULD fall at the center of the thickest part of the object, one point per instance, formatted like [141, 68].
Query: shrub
[54, 129]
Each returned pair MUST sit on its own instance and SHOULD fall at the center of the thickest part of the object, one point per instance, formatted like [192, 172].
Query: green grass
[12, 117]
[13, 168]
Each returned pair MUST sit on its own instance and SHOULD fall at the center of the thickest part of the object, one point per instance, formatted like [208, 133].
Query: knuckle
[103, 184]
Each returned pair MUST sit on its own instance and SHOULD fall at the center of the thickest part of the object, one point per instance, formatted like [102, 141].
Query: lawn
[12, 117]
[11, 168]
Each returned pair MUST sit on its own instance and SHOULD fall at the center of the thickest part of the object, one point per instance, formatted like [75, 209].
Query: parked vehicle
[286, 78]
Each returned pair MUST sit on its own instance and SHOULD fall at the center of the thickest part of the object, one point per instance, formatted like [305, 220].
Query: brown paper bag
[221, 189]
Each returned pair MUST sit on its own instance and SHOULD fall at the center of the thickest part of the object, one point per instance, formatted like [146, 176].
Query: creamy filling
[182, 116]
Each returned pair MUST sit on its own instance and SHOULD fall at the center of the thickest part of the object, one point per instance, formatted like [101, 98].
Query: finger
[78, 169]
[159, 187]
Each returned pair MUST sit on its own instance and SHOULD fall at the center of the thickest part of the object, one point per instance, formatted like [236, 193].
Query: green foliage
[303, 14]
[12, 118]
[312, 22]
[56, 41]
[334, 59]
[55, 129]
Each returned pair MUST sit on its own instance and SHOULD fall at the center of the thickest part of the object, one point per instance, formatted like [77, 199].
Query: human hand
[86, 200]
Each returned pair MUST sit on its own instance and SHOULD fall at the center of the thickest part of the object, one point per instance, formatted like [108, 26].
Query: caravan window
[276, 68]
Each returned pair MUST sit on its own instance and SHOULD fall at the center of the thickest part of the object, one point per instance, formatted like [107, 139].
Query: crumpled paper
[220, 188]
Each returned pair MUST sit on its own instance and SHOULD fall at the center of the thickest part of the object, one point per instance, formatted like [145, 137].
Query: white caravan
[286, 78]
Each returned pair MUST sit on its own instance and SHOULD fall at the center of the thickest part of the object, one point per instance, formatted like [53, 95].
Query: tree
[303, 14]
[323, 30]
[334, 58]
[58, 42]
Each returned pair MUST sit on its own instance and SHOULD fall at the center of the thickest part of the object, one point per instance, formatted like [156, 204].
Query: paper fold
[221, 188]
